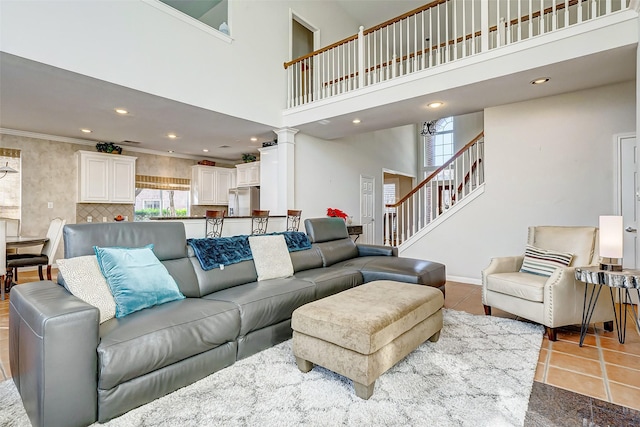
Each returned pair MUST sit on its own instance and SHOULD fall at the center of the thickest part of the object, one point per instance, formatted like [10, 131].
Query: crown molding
[28, 134]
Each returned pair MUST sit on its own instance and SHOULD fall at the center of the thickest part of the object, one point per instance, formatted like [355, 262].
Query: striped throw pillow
[543, 262]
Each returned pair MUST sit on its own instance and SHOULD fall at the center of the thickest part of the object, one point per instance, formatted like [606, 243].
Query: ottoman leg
[304, 365]
[435, 337]
[363, 391]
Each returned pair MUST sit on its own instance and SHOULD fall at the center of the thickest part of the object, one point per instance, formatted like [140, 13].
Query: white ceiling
[39, 98]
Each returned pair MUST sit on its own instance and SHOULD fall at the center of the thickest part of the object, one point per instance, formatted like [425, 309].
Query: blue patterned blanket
[213, 252]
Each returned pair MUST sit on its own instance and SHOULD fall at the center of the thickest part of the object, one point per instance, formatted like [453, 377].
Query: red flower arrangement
[337, 213]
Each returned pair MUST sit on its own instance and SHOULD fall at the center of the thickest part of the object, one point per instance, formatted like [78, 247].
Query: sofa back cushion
[217, 279]
[337, 250]
[325, 229]
[168, 239]
[331, 238]
[306, 260]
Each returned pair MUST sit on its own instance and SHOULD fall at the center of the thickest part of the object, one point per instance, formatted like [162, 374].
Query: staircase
[444, 191]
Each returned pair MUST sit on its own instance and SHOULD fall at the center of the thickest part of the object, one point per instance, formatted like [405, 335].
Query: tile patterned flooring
[596, 383]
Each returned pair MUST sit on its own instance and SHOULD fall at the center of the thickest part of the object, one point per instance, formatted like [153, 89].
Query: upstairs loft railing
[449, 184]
[434, 34]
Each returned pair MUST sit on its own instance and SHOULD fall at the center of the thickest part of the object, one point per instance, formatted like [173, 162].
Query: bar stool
[293, 219]
[259, 220]
[214, 221]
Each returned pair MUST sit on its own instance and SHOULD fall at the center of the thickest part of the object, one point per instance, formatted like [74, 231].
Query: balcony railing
[434, 34]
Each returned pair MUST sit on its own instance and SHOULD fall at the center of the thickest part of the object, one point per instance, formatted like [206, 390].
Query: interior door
[367, 216]
[629, 199]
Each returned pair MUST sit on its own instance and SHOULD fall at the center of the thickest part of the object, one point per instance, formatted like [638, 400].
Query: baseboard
[467, 280]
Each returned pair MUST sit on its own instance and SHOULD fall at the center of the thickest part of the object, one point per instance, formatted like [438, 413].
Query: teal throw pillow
[137, 278]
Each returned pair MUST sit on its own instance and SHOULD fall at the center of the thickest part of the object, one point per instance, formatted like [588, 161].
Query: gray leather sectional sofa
[71, 371]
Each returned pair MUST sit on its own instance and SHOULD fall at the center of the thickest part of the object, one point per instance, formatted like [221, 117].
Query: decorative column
[277, 179]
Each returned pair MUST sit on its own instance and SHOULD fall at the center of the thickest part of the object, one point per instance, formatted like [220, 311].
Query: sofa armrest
[506, 264]
[53, 340]
[376, 250]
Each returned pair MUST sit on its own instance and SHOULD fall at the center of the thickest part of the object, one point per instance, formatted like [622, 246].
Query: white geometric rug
[479, 373]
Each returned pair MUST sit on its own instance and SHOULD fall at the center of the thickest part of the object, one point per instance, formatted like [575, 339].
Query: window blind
[162, 183]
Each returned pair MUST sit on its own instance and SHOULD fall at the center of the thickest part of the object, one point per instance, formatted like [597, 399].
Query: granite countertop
[160, 218]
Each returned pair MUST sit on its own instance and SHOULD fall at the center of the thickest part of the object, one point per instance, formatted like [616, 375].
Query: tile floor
[602, 370]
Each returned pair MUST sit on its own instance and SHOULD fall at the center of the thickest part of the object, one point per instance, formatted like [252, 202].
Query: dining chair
[3, 256]
[214, 221]
[259, 221]
[293, 219]
[46, 255]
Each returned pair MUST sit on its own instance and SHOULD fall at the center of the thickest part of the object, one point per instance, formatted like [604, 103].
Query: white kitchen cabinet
[106, 178]
[248, 174]
[210, 185]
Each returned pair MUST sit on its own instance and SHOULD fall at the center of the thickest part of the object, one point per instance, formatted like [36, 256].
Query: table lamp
[611, 243]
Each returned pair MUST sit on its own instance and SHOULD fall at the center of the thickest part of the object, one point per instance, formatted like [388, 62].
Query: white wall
[145, 48]
[327, 173]
[549, 161]
[466, 127]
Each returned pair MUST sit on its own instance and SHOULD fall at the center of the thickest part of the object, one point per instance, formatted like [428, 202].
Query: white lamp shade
[611, 236]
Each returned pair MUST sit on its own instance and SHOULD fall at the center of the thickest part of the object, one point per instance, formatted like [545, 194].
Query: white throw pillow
[544, 262]
[271, 256]
[84, 279]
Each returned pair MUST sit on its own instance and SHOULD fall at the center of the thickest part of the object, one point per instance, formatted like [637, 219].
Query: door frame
[305, 23]
[617, 181]
[617, 170]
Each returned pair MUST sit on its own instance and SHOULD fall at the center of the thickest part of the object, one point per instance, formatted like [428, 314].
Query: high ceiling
[42, 99]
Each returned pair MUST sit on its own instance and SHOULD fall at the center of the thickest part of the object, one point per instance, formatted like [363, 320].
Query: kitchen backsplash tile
[98, 211]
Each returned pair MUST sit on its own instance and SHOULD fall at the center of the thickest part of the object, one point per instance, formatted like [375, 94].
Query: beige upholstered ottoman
[362, 332]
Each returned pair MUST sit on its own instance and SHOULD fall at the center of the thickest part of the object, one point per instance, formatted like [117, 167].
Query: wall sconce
[4, 170]
[611, 242]
[428, 128]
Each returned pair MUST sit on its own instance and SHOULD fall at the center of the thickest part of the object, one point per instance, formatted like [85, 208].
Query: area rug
[480, 373]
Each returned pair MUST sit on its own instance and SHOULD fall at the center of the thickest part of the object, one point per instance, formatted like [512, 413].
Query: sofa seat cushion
[408, 270]
[520, 285]
[156, 337]
[267, 302]
[331, 280]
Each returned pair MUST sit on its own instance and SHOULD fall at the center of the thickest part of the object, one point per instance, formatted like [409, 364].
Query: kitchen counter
[195, 226]
[164, 218]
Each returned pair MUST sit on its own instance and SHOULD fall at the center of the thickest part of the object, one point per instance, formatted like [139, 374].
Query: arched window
[438, 142]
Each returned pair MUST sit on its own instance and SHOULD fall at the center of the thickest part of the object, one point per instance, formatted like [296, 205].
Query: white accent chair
[553, 301]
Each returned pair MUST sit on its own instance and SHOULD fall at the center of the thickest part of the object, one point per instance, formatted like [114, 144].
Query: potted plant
[108, 147]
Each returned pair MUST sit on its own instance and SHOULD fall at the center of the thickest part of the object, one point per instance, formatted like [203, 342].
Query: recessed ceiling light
[205, 150]
[540, 81]
[356, 121]
[121, 111]
[86, 130]
[172, 135]
[170, 151]
[254, 139]
[435, 104]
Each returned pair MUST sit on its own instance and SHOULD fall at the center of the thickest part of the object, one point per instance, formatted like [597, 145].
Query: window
[213, 13]
[161, 196]
[438, 147]
[10, 193]
[152, 204]
[389, 196]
